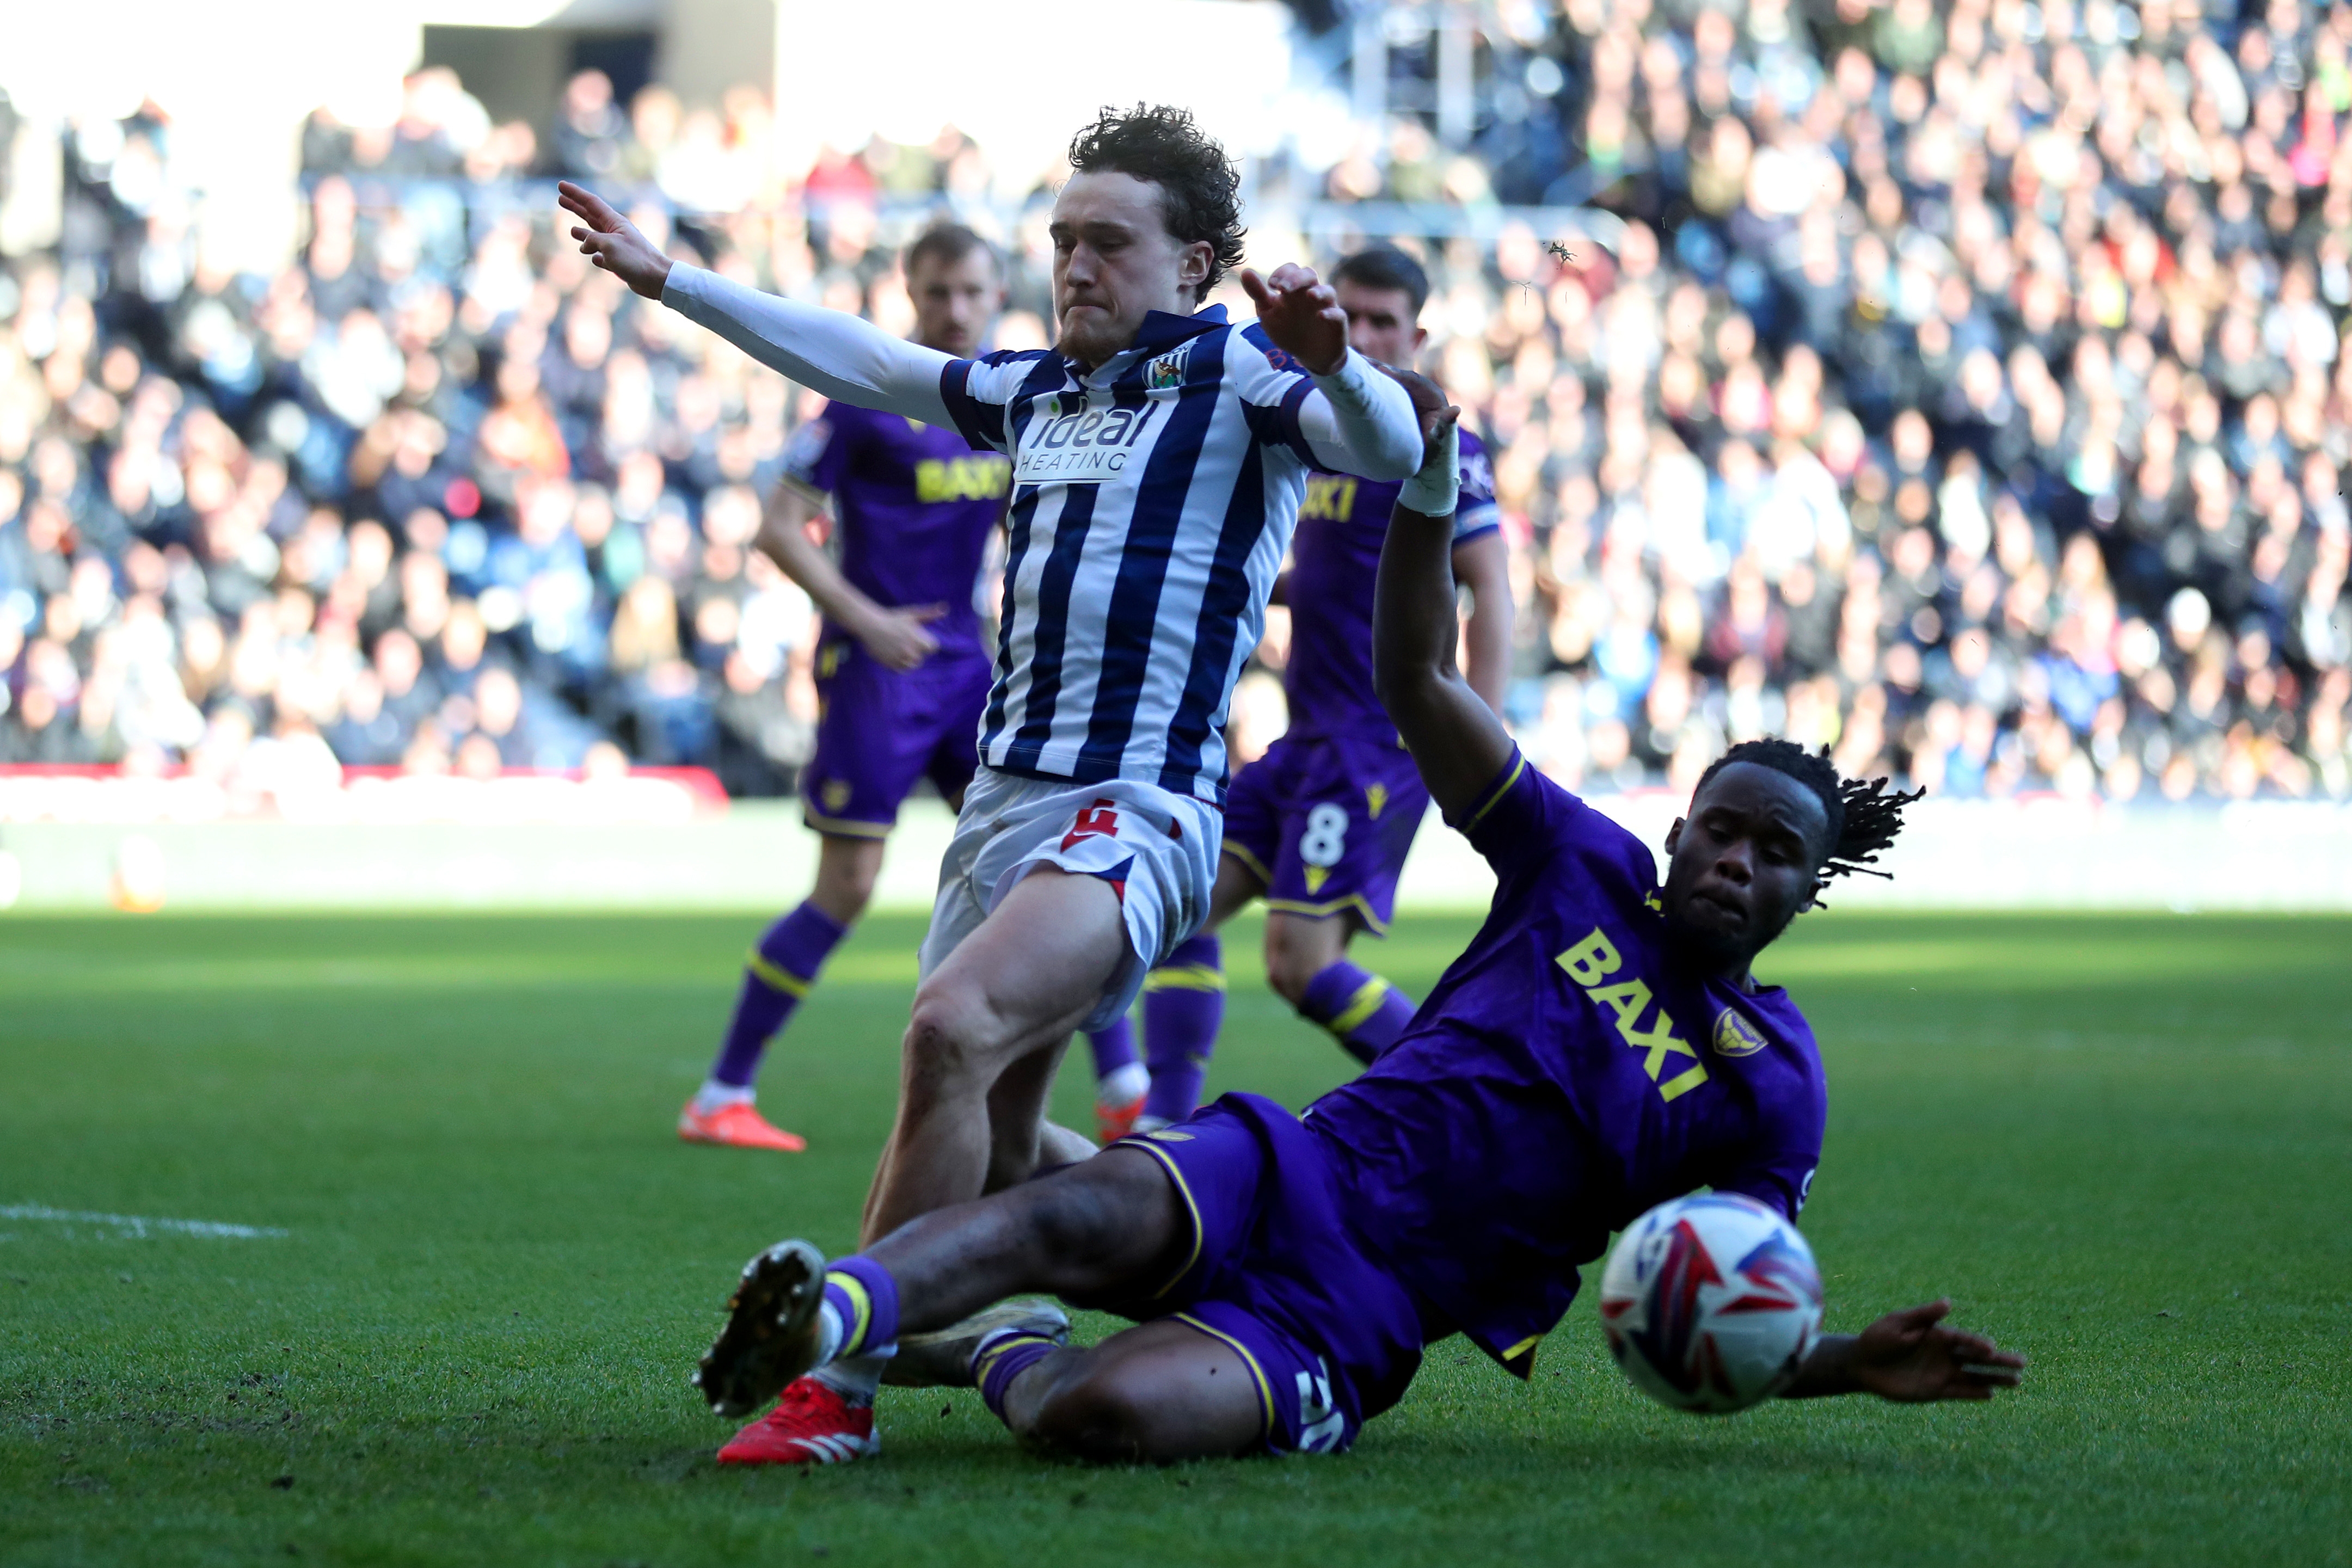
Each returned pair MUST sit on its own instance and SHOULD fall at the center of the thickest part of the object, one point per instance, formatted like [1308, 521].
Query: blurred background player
[1319, 826]
[901, 668]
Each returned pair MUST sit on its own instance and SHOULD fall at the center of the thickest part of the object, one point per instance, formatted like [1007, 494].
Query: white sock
[856, 1378]
[1124, 1085]
[829, 1331]
[1150, 1124]
[713, 1095]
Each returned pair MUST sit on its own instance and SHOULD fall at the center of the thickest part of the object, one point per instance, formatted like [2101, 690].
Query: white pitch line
[140, 1225]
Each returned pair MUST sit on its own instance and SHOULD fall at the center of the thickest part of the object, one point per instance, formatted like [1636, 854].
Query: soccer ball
[1711, 1303]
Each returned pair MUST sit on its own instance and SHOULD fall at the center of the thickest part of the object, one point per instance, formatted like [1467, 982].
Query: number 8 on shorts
[1326, 839]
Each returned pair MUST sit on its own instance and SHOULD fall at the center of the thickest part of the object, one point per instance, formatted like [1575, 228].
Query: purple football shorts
[881, 729]
[1325, 823]
[1275, 1271]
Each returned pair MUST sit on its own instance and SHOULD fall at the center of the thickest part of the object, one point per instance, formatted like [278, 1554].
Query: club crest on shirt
[1735, 1036]
[1168, 370]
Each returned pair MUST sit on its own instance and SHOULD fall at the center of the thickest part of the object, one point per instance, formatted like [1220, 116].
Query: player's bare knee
[861, 878]
[1095, 1414]
[947, 1042]
[853, 891]
[1289, 971]
[846, 872]
[1297, 950]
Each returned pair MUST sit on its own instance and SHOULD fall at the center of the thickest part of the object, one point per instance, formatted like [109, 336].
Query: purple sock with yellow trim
[862, 1299]
[1113, 1046]
[778, 973]
[1002, 1357]
[1183, 1006]
[1364, 1013]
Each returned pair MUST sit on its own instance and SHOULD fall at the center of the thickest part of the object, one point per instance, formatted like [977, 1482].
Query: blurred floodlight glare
[228, 63]
[238, 77]
[840, 79]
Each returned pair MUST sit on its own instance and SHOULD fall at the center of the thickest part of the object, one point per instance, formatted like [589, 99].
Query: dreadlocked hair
[1864, 815]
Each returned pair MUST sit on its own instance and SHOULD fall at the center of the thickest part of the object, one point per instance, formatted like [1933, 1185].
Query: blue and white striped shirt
[1153, 500]
[1154, 496]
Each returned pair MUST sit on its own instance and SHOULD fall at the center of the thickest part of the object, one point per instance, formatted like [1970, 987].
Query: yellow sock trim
[1361, 1006]
[853, 1336]
[998, 1346]
[1185, 978]
[784, 980]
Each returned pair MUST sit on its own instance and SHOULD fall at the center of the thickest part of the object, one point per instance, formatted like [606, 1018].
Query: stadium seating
[1959, 388]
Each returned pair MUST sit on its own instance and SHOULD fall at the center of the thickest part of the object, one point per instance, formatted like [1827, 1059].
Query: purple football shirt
[915, 506]
[1566, 1075]
[1334, 560]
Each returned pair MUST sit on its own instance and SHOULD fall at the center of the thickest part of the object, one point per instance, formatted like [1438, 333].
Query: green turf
[2120, 1144]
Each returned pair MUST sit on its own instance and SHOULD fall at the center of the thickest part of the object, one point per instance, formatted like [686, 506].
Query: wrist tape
[1437, 488]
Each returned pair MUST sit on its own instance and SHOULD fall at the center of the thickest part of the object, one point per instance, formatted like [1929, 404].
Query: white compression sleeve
[1360, 421]
[836, 353]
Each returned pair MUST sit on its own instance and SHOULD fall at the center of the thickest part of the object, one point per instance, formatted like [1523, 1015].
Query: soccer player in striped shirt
[901, 670]
[1319, 826]
[1158, 460]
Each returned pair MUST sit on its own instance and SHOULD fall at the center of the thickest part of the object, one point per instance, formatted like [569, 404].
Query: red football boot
[811, 1425]
[738, 1125]
[1113, 1122]
[1119, 1101]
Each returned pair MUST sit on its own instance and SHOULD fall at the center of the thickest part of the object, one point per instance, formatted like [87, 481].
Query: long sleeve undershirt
[1356, 421]
[837, 353]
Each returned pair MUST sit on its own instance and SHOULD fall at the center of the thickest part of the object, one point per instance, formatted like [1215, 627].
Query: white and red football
[1711, 1303]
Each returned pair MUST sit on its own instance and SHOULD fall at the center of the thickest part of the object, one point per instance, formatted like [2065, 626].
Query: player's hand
[1913, 1356]
[612, 241]
[1301, 314]
[897, 637]
[1429, 406]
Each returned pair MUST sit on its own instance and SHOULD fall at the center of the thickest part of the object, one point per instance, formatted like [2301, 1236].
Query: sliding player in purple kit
[1319, 826]
[1159, 459]
[1602, 1046]
[901, 669]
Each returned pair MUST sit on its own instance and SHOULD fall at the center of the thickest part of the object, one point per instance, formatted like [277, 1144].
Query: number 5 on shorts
[1097, 821]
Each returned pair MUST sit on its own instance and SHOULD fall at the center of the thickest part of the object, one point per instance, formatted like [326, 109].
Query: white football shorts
[1157, 849]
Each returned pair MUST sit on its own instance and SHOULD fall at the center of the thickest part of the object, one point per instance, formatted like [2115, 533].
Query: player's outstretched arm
[838, 354]
[1913, 1357]
[1355, 420]
[1456, 741]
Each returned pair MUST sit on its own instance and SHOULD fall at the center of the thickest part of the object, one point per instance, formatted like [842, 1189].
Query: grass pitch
[2121, 1144]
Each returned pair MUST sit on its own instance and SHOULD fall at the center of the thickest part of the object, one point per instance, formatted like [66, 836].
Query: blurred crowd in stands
[1960, 387]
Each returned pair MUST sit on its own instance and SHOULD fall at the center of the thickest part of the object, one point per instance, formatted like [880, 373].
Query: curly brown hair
[1200, 189]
